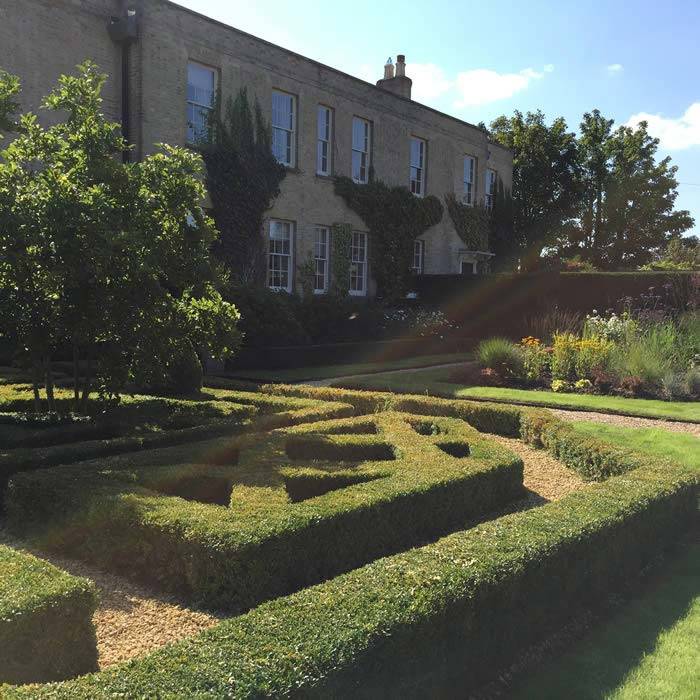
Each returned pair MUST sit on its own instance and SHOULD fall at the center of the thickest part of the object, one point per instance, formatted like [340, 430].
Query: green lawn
[300, 374]
[435, 382]
[650, 648]
[647, 649]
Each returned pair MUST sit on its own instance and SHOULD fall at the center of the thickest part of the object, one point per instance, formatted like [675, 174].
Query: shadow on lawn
[600, 662]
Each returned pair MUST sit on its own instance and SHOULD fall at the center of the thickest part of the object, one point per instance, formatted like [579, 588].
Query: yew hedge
[46, 630]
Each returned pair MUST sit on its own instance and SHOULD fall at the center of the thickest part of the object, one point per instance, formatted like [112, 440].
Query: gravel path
[628, 421]
[545, 477]
[130, 620]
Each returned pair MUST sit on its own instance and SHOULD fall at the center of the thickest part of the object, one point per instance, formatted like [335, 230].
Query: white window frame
[322, 240]
[418, 257]
[468, 180]
[287, 128]
[358, 264]
[280, 257]
[363, 148]
[473, 264]
[490, 188]
[417, 166]
[198, 102]
[324, 140]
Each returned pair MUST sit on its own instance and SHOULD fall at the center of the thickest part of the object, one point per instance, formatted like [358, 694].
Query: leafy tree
[243, 178]
[627, 212]
[9, 88]
[100, 254]
[681, 253]
[546, 180]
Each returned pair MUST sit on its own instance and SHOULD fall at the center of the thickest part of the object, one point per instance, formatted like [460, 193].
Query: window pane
[200, 84]
[282, 110]
[417, 148]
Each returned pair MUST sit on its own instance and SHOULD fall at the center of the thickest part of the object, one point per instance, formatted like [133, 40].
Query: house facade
[165, 64]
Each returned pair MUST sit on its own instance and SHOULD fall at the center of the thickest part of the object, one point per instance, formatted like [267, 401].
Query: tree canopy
[602, 196]
[107, 258]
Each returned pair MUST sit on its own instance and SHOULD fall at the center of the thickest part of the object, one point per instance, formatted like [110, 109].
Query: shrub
[185, 372]
[502, 355]
[268, 318]
[560, 385]
[46, 630]
[592, 357]
[612, 328]
[564, 353]
[692, 380]
[675, 387]
[583, 385]
[264, 546]
[535, 359]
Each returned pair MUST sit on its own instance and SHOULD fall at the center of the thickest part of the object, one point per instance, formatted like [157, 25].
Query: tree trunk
[48, 373]
[76, 374]
[86, 384]
[36, 382]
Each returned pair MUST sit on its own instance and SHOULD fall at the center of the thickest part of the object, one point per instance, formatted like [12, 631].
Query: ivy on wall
[341, 241]
[243, 178]
[394, 218]
[472, 223]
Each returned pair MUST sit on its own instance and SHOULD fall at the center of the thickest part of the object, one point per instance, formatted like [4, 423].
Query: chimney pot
[388, 69]
[401, 65]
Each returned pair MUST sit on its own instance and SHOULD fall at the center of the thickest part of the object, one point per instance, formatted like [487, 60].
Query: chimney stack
[399, 84]
[401, 66]
[388, 69]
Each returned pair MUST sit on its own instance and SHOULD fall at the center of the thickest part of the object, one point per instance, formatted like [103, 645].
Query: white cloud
[674, 134]
[615, 68]
[429, 81]
[468, 88]
[480, 86]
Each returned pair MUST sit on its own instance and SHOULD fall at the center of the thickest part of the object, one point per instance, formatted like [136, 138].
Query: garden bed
[444, 615]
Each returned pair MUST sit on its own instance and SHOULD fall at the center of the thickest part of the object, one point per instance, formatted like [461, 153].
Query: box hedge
[46, 630]
[178, 421]
[264, 545]
[436, 621]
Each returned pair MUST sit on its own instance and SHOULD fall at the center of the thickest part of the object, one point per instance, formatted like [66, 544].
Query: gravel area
[546, 478]
[130, 620]
[628, 421]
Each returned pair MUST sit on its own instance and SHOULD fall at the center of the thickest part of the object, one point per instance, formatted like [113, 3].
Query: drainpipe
[124, 30]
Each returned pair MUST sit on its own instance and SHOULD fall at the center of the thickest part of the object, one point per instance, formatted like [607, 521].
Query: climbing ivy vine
[341, 241]
[394, 218]
[472, 223]
[243, 178]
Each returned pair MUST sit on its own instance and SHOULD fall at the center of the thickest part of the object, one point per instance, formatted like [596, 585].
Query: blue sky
[477, 60]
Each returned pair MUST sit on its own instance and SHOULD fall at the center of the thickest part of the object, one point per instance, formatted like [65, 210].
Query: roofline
[364, 83]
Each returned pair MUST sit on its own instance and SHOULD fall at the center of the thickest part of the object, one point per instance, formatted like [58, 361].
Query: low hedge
[239, 407]
[485, 417]
[593, 459]
[263, 545]
[432, 621]
[46, 630]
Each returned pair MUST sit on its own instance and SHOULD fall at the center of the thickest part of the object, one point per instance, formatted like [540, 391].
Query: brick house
[165, 64]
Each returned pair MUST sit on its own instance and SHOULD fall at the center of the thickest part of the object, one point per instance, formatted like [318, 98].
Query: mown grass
[649, 648]
[300, 374]
[435, 382]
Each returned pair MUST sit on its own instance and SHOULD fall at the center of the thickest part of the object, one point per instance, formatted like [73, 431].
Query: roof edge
[313, 61]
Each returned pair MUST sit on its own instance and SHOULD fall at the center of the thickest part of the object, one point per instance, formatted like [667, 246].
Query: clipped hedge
[221, 412]
[485, 417]
[46, 630]
[264, 545]
[593, 459]
[432, 621]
